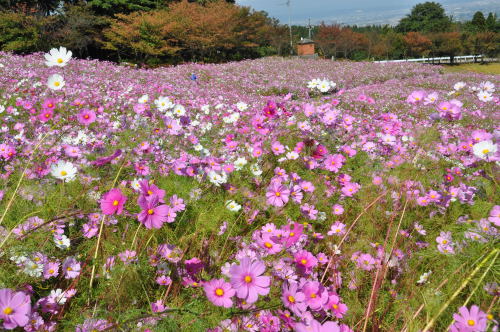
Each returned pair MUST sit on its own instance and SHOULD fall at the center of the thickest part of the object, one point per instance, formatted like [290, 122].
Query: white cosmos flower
[55, 82]
[135, 184]
[240, 163]
[163, 103]
[459, 86]
[58, 57]
[143, 99]
[484, 149]
[217, 178]
[487, 86]
[62, 242]
[179, 110]
[233, 206]
[424, 277]
[32, 268]
[241, 106]
[313, 83]
[63, 170]
[484, 96]
[292, 155]
[59, 296]
[2, 108]
[255, 169]
[205, 109]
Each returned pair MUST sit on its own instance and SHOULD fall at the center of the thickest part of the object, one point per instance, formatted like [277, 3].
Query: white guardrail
[462, 58]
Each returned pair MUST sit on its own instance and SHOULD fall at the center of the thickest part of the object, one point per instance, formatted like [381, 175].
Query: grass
[486, 68]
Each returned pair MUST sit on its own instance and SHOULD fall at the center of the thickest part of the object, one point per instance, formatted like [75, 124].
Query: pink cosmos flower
[277, 194]
[316, 326]
[71, 268]
[15, 308]
[248, 281]
[316, 295]
[293, 299]
[337, 228]
[338, 209]
[305, 260]
[45, 115]
[277, 148]
[350, 188]
[334, 162]
[150, 189]
[86, 116]
[338, 309]
[113, 201]
[152, 214]
[219, 292]
[415, 97]
[469, 320]
[51, 269]
[366, 262]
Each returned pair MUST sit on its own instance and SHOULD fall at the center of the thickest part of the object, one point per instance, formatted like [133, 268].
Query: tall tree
[478, 21]
[425, 17]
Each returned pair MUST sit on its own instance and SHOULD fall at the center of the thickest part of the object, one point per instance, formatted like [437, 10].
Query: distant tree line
[426, 31]
[158, 32]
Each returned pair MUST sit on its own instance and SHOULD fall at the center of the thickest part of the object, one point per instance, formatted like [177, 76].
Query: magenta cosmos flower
[15, 308]
[152, 214]
[277, 195]
[247, 280]
[219, 292]
[316, 326]
[469, 320]
[293, 299]
[86, 117]
[112, 202]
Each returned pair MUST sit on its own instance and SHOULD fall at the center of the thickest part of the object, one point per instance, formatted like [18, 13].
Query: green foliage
[19, 32]
[112, 7]
[425, 17]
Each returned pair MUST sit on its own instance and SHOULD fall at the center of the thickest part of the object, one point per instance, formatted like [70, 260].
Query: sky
[362, 12]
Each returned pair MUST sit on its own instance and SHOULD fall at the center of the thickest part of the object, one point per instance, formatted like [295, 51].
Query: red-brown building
[305, 47]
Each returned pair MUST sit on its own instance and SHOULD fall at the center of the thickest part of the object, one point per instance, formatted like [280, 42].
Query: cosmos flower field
[264, 195]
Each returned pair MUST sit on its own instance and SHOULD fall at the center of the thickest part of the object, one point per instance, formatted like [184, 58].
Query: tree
[425, 17]
[478, 21]
[492, 23]
[417, 44]
[112, 7]
[447, 44]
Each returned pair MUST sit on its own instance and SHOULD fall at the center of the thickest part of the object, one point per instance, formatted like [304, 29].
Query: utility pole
[310, 27]
[290, 25]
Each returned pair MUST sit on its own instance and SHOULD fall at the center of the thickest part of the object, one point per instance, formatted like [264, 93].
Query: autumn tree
[417, 44]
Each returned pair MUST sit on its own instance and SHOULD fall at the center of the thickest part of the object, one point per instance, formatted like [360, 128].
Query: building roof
[305, 41]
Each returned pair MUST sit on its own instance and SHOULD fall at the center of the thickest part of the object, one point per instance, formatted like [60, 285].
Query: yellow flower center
[303, 261]
[486, 151]
[86, 116]
[470, 322]
[64, 173]
[292, 234]
[50, 105]
[444, 241]
[248, 279]
[115, 203]
[291, 299]
[334, 306]
[60, 60]
[313, 295]
[219, 292]
[151, 211]
[268, 245]
[51, 271]
[278, 194]
[69, 268]
[489, 316]
[57, 83]
[8, 310]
